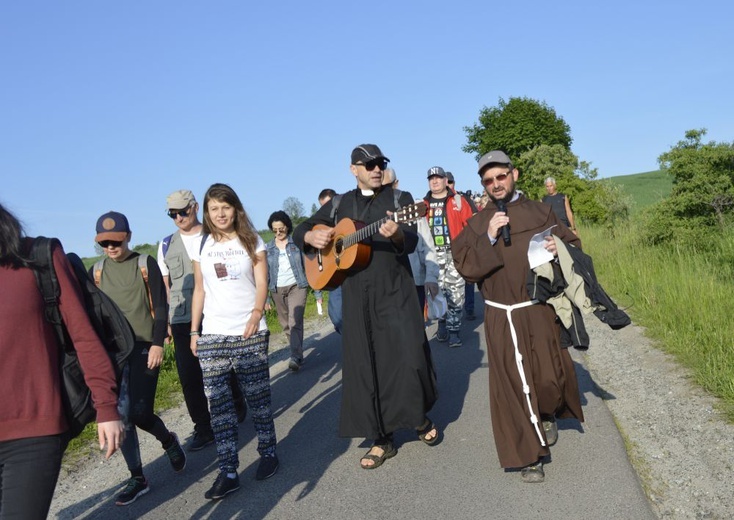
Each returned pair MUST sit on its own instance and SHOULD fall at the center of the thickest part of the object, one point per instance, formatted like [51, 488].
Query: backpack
[109, 322]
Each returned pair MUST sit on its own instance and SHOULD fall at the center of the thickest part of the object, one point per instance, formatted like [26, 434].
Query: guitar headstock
[410, 213]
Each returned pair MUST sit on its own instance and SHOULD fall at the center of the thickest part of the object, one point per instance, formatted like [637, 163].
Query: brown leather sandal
[388, 451]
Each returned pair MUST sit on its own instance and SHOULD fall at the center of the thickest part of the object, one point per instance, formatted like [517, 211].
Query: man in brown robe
[531, 378]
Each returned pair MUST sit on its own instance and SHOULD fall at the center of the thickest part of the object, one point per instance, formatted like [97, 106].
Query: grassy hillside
[645, 188]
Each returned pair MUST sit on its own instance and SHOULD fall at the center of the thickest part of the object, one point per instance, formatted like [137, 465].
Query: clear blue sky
[113, 105]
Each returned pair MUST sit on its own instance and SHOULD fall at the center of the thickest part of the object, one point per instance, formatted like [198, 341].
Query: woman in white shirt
[231, 285]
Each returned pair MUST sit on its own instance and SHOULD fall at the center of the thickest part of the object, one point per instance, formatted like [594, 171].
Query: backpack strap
[97, 271]
[204, 236]
[335, 201]
[48, 284]
[164, 245]
[396, 198]
[143, 267]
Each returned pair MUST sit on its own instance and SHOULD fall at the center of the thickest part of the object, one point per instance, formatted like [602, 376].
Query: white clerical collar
[367, 193]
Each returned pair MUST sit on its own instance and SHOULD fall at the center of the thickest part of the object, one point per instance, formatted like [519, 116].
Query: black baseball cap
[365, 153]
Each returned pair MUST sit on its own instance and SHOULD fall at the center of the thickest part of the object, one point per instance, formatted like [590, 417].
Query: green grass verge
[681, 296]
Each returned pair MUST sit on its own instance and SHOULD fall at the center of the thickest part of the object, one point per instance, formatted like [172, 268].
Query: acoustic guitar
[327, 268]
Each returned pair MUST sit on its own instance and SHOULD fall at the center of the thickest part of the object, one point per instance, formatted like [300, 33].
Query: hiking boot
[223, 486]
[454, 340]
[442, 334]
[175, 453]
[533, 473]
[135, 487]
[267, 468]
[201, 439]
[551, 431]
[295, 365]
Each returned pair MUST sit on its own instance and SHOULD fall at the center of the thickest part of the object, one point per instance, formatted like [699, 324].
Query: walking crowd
[212, 281]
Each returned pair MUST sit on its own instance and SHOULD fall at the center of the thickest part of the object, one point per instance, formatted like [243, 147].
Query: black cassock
[388, 380]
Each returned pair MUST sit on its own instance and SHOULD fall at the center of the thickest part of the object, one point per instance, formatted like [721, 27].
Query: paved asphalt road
[589, 476]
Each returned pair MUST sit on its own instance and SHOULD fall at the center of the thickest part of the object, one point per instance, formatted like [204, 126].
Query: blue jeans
[469, 298]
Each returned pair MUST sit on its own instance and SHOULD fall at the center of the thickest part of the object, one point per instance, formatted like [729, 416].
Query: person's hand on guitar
[319, 238]
[391, 230]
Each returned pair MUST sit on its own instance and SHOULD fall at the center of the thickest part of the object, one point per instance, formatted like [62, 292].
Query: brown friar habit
[388, 382]
[502, 272]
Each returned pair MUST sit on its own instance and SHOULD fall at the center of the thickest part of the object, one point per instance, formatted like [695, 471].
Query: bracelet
[194, 333]
[261, 311]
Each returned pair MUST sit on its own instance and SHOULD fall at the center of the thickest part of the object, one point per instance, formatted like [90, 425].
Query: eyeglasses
[280, 230]
[173, 213]
[104, 244]
[380, 164]
[488, 181]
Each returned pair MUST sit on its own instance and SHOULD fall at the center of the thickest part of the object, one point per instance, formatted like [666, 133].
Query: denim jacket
[294, 256]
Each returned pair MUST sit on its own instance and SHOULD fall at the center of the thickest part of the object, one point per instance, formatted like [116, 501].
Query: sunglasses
[280, 230]
[104, 244]
[488, 181]
[173, 213]
[380, 164]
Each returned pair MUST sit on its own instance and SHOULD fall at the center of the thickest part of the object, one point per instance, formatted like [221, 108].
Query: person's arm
[261, 294]
[160, 313]
[474, 255]
[197, 305]
[569, 214]
[98, 371]
[306, 239]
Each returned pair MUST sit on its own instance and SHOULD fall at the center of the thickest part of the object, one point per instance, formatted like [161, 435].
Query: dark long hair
[281, 216]
[11, 241]
[243, 227]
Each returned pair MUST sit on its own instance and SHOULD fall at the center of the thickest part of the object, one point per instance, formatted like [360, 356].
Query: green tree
[516, 126]
[593, 201]
[702, 199]
[293, 207]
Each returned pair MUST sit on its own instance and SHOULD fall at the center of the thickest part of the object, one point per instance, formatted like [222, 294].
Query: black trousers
[192, 380]
[29, 469]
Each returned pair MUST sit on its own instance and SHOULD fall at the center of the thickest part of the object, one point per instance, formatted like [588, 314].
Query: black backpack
[108, 321]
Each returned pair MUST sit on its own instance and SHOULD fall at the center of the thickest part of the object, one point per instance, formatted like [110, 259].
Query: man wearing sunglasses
[388, 382]
[525, 396]
[447, 215]
[174, 261]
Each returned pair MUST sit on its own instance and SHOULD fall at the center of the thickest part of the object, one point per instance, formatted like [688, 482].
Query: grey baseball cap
[493, 157]
[436, 170]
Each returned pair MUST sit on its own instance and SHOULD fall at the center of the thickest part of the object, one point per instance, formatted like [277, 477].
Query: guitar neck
[364, 233]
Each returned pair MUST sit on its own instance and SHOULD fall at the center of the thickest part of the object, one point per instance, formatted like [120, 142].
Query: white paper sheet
[537, 253]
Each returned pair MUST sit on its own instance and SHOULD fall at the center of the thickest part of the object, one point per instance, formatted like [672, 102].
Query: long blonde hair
[243, 226]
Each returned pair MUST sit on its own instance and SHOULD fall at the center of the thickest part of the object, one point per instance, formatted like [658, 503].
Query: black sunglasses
[104, 244]
[173, 213]
[381, 164]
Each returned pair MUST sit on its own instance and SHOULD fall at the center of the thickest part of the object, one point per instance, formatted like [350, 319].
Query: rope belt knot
[518, 357]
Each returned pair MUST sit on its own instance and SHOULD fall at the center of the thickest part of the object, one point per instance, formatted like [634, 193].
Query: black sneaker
[176, 454]
[223, 486]
[295, 365]
[442, 334]
[201, 440]
[267, 468]
[454, 339]
[133, 489]
[469, 314]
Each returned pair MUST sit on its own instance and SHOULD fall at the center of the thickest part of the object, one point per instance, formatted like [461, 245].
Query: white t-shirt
[191, 244]
[229, 286]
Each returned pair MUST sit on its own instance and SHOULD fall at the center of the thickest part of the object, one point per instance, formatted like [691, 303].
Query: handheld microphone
[504, 230]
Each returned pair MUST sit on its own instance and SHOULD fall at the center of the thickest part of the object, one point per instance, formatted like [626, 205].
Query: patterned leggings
[249, 359]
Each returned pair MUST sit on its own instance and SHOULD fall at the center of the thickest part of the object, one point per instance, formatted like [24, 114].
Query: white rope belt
[518, 357]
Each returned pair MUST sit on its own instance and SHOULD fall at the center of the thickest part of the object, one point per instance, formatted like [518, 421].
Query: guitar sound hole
[338, 247]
